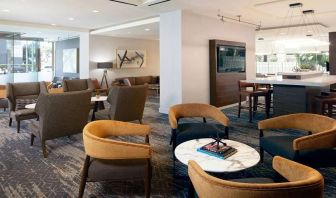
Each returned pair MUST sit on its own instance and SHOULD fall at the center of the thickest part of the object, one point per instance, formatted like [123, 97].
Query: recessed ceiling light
[5, 10]
[71, 19]
[95, 11]
[147, 29]
[53, 24]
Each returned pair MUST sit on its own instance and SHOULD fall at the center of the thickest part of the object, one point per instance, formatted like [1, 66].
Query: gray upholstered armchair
[126, 103]
[60, 115]
[20, 94]
[77, 85]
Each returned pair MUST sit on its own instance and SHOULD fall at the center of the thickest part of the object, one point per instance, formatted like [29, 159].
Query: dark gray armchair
[77, 85]
[60, 115]
[126, 103]
[20, 94]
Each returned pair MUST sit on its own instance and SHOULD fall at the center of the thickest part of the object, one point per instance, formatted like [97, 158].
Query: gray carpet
[25, 173]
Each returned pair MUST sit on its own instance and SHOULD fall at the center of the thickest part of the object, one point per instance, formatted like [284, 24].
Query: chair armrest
[274, 123]
[172, 119]
[294, 171]
[219, 116]
[322, 140]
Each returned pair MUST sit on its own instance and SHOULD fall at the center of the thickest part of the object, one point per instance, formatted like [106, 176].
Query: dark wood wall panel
[223, 86]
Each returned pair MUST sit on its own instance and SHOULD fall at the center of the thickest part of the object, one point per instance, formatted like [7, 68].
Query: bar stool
[249, 90]
[327, 104]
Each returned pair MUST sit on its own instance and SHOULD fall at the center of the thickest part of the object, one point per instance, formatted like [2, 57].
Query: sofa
[138, 80]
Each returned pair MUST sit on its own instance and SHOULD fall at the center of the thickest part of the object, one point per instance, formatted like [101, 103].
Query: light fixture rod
[222, 17]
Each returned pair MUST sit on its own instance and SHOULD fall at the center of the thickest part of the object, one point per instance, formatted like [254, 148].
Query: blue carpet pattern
[25, 173]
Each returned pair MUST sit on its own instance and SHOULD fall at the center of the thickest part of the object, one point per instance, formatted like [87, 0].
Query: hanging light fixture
[301, 33]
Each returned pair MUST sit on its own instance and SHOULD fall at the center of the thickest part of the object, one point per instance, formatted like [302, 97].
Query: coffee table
[96, 100]
[245, 157]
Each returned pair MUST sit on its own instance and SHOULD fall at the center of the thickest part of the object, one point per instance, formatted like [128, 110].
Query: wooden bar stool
[249, 90]
[327, 104]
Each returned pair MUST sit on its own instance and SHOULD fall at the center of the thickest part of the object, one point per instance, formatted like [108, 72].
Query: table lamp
[105, 66]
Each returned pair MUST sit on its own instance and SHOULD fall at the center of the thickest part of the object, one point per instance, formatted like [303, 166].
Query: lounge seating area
[168, 98]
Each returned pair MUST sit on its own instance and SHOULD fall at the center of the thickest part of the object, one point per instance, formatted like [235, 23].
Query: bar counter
[293, 95]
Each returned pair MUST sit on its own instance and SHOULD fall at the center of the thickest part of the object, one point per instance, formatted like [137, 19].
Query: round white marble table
[30, 106]
[245, 157]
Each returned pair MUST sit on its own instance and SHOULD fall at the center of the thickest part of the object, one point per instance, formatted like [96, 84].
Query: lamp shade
[104, 65]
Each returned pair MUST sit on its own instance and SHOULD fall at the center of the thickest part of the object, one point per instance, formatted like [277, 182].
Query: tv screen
[230, 59]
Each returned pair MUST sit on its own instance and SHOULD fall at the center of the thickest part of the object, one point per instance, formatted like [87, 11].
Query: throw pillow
[127, 82]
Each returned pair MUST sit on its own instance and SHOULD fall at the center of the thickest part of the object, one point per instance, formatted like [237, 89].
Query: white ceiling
[269, 12]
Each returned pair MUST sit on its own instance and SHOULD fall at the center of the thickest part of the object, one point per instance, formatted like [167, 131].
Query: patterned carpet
[25, 173]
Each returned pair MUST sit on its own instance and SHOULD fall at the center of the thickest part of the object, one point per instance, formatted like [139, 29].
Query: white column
[84, 55]
[170, 60]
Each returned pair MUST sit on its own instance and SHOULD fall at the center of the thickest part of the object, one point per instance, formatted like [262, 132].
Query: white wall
[103, 49]
[191, 68]
[197, 31]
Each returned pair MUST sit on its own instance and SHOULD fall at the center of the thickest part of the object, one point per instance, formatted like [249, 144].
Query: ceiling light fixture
[5, 10]
[222, 18]
[71, 19]
[95, 11]
[147, 29]
[53, 24]
[126, 25]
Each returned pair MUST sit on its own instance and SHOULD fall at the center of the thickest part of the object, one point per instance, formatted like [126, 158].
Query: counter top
[321, 81]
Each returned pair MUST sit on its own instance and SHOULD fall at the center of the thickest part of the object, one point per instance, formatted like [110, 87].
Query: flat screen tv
[230, 59]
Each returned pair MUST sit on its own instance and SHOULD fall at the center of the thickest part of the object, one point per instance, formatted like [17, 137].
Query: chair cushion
[23, 114]
[279, 145]
[102, 115]
[21, 103]
[257, 180]
[123, 169]
[190, 131]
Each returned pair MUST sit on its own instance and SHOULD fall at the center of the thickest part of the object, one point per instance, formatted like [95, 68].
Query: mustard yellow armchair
[182, 132]
[303, 181]
[317, 148]
[108, 159]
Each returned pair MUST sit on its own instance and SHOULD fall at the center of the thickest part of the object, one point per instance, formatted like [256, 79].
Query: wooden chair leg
[255, 105]
[204, 120]
[261, 155]
[32, 136]
[10, 121]
[18, 126]
[140, 121]
[250, 109]
[44, 149]
[267, 105]
[84, 177]
[239, 105]
[148, 180]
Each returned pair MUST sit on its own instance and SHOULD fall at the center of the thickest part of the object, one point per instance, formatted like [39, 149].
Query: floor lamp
[105, 66]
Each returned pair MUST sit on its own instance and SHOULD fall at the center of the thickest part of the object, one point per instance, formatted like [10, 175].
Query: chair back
[97, 143]
[244, 85]
[77, 85]
[62, 114]
[195, 110]
[30, 90]
[303, 181]
[127, 103]
[302, 121]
